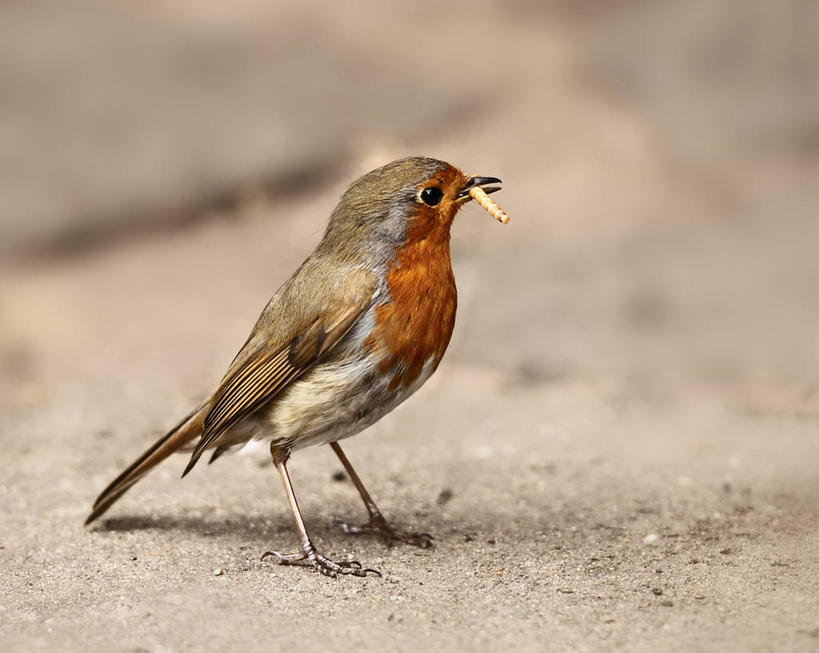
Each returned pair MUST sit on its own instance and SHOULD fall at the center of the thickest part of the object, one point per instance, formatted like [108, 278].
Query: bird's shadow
[245, 526]
[264, 528]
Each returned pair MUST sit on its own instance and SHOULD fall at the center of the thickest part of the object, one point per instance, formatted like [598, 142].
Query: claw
[285, 558]
[324, 565]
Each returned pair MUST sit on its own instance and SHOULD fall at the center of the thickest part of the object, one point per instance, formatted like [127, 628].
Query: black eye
[432, 196]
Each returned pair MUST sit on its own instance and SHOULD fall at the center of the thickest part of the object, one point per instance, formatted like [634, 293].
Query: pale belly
[333, 402]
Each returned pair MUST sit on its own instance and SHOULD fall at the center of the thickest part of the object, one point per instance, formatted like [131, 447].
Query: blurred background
[653, 303]
[169, 163]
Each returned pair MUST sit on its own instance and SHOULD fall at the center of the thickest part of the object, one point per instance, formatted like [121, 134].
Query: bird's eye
[432, 196]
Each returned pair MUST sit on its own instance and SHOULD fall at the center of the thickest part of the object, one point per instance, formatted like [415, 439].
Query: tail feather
[180, 435]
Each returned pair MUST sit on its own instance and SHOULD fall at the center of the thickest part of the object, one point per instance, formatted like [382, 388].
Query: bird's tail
[180, 435]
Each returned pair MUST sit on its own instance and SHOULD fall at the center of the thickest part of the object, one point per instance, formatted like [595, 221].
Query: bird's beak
[463, 194]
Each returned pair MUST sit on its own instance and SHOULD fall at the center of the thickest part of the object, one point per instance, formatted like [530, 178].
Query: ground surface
[619, 451]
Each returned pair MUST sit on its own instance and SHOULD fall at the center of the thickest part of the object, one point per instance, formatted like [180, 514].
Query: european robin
[358, 328]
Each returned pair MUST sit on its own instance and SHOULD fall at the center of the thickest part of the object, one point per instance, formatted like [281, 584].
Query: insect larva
[480, 196]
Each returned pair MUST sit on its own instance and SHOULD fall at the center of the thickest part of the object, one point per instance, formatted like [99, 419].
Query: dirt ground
[619, 451]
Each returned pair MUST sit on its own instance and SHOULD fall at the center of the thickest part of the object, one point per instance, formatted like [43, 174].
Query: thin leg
[308, 551]
[378, 524]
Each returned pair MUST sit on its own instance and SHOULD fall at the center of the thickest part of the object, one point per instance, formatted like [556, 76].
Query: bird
[358, 328]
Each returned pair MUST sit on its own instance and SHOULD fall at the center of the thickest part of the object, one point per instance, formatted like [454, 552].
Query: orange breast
[416, 325]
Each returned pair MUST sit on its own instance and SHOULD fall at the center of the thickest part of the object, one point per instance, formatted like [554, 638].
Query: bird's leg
[308, 551]
[377, 523]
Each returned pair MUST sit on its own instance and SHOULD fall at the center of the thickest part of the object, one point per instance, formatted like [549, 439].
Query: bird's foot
[388, 534]
[324, 565]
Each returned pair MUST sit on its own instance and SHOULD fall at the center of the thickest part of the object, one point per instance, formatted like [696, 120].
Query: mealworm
[479, 195]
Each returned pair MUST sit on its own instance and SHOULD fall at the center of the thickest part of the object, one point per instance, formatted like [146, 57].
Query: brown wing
[263, 374]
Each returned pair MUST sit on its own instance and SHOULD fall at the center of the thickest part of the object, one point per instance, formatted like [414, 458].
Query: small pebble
[651, 538]
[445, 496]
[218, 572]
[657, 591]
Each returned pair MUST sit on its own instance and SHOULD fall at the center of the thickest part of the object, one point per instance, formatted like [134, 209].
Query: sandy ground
[618, 452]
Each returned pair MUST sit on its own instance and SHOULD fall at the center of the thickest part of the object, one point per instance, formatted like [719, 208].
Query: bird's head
[409, 199]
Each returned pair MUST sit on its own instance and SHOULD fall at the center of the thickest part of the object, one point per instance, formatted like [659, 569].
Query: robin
[358, 328]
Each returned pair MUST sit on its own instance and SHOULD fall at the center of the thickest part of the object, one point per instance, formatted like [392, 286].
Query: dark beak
[463, 194]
